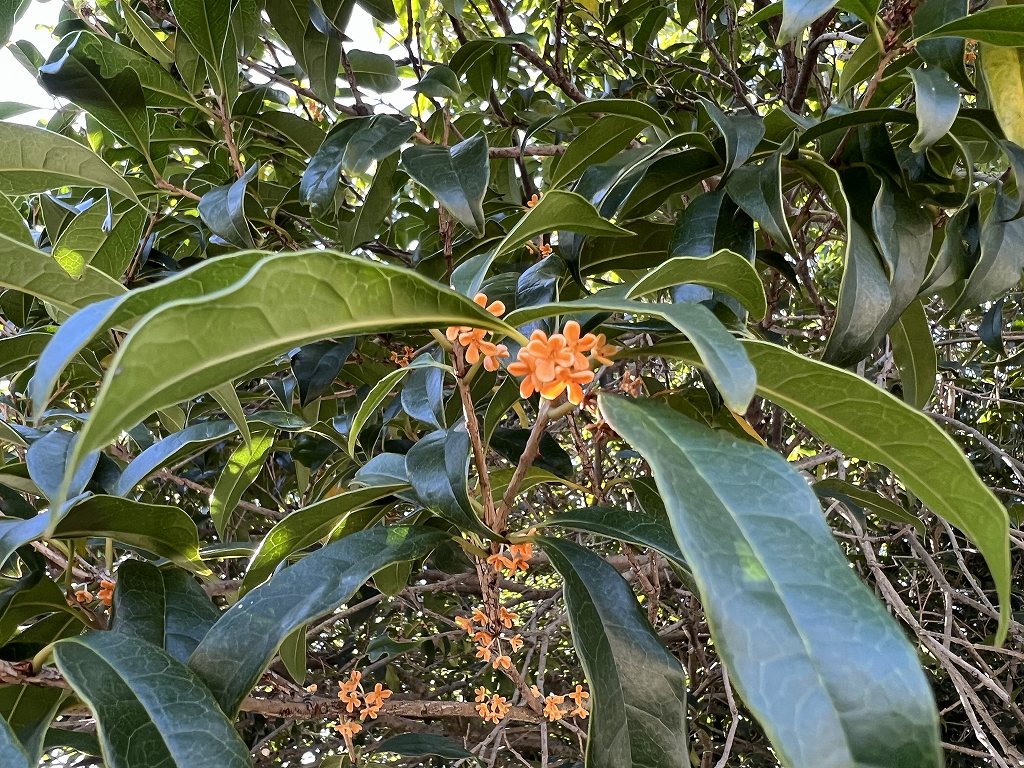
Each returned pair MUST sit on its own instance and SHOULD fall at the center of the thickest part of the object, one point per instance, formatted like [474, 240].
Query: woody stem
[530, 454]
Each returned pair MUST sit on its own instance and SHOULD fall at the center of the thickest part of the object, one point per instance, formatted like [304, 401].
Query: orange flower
[377, 696]
[603, 351]
[554, 365]
[501, 661]
[500, 562]
[551, 709]
[516, 642]
[533, 201]
[106, 592]
[479, 617]
[83, 596]
[580, 712]
[483, 652]
[482, 637]
[481, 694]
[500, 705]
[545, 250]
[508, 618]
[473, 338]
[349, 699]
[348, 728]
[465, 623]
[522, 551]
[570, 381]
[483, 710]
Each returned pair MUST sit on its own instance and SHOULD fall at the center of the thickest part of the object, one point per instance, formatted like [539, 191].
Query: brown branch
[530, 453]
[289, 707]
[229, 138]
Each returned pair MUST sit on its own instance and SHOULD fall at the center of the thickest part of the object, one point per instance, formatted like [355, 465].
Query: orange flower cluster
[556, 364]
[473, 339]
[354, 697]
[494, 710]
[488, 644]
[105, 594]
[553, 709]
[518, 558]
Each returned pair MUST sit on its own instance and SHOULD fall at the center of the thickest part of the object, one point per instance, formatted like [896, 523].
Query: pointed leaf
[12, 754]
[797, 14]
[438, 467]
[757, 189]
[207, 24]
[1004, 77]
[305, 527]
[243, 467]
[171, 356]
[193, 438]
[35, 160]
[913, 351]
[641, 529]
[998, 26]
[223, 210]
[150, 709]
[638, 689]
[938, 103]
[457, 177]
[163, 606]
[789, 617]
[234, 654]
[861, 420]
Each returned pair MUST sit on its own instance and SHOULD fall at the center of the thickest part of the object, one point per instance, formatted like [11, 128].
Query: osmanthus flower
[374, 700]
[348, 728]
[106, 592]
[475, 341]
[507, 617]
[552, 710]
[603, 351]
[555, 364]
[578, 697]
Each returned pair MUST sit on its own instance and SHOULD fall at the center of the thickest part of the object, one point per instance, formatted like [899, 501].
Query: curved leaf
[998, 26]
[858, 418]
[304, 527]
[638, 712]
[641, 529]
[223, 210]
[234, 654]
[150, 709]
[806, 643]
[12, 754]
[456, 176]
[724, 270]
[163, 606]
[35, 160]
[243, 467]
[193, 437]
[938, 103]
[797, 14]
[285, 301]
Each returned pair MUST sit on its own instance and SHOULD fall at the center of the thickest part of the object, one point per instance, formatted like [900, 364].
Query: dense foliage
[547, 382]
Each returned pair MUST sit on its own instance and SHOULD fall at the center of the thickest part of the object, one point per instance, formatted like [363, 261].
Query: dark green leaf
[207, 24]
[243, 467]
[913, 351]
[223, 210]
[234, 654]
[163, 606]
[938, 102]
[47, 460]
[438, 467]
[422, 745]
[998, 26]
[638, 689]
[375, 71]
[150, 709]
[641, 529]
[317, 365]
[192, 438]
[786, 611]
[456, 176]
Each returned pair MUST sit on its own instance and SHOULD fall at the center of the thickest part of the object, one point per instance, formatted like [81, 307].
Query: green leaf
[122, 311]
[117, 102]
[861, 420]
[352, 296]
[47, 461]
[29, 597]
[29, 711]
[865, 298]
[1002, 256]
[456, 176]
[234, 654]
[946, 53]
[438, 466]
[382, 10]
[162, 530]
[12, 754]
[913, 351]
[317, 365]
[641, 529]
[741, 133]
[561, 211]
[293, 655]
[243, 467]
[790, 619]
[998, 26]
[423, 745]
[596, 144]
[35, 160]
[223, 210]
[723, 270]
[375, 71]
[353, 146]
[797, 14]
[722, 354]
[150, 709]
[19, 352]
[439, 82]
[859, 499]
[938, 103]
[29, 270]
[317, 53]
[110, 249]
[903, 229]
[377, 394]
[163, 606]
[305, 527]
[10, 12]
[191, 439]
[638, 689]
[160, 87]
[13, 225]
[757, 189]
[1003, 69]
[143, 34]
[207, 24]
